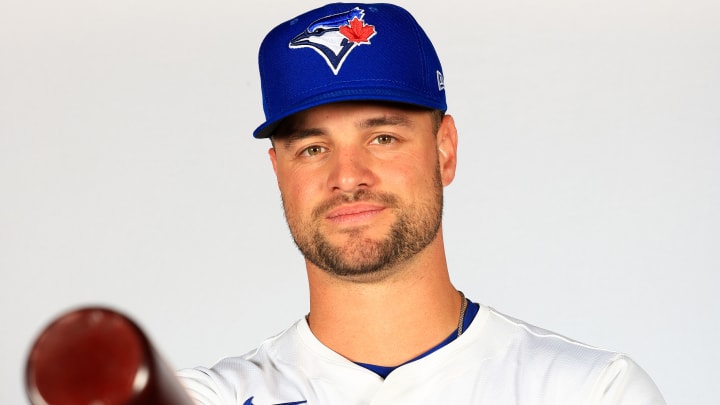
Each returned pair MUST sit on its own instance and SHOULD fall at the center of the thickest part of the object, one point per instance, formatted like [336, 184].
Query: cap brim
[402, 96]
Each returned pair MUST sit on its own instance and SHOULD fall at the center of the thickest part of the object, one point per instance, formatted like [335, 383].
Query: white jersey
[498, 360]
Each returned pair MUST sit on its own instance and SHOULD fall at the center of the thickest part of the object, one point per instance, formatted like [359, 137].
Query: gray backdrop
[586, 199]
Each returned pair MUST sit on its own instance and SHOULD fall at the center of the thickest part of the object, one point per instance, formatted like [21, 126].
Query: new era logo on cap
[335, 36]
[347, 52]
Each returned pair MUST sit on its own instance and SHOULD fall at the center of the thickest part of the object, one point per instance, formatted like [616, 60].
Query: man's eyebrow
[388, 120]
[296, 135]
[292, 135]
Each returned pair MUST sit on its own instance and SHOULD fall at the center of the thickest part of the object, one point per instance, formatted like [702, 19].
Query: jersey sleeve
[201, 385]
[623, 382]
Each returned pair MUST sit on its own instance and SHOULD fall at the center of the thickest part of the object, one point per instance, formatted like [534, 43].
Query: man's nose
[351, 170]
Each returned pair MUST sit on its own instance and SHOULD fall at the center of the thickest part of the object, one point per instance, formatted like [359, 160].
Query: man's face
[361, 185]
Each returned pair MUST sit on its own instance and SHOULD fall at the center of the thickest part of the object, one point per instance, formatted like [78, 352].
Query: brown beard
[362, 258]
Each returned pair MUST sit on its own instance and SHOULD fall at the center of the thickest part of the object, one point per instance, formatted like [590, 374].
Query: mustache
[386, 199]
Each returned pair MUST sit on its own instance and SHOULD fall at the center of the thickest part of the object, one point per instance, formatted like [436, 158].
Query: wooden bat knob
[96, 356]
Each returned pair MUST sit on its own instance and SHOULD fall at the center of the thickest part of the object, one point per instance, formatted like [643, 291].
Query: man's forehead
[369, 114]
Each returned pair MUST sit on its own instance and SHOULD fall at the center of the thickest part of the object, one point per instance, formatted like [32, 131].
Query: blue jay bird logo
[333, 37]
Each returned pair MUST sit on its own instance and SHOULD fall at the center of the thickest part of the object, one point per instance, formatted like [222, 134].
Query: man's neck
[386, 322]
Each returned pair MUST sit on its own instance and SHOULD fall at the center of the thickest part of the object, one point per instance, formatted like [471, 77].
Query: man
[354, 100]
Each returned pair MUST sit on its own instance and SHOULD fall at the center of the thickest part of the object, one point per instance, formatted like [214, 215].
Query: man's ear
[447, 139]
[273, 159]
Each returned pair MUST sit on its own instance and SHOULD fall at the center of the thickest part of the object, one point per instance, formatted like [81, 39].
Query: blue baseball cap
[347, 52]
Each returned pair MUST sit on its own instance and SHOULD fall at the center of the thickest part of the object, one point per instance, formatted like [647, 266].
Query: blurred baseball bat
[97, 356]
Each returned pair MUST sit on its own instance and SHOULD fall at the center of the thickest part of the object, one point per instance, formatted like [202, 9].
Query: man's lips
[354, 212]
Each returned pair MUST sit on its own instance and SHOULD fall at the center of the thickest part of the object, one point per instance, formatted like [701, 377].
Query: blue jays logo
[333, 37]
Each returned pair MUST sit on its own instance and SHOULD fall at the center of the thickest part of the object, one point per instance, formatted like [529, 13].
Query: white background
[586, 199]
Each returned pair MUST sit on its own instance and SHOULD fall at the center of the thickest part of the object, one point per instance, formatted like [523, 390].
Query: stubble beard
[361, 258]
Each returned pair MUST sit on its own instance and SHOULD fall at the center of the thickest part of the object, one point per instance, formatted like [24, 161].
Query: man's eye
[384, 139]
[313, 150]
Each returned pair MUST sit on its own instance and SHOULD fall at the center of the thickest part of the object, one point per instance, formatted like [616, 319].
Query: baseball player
[354, 100]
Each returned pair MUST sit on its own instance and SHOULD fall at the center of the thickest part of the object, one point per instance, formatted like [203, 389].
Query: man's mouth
[354, 212]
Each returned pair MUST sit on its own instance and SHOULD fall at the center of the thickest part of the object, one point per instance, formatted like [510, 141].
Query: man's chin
[355, 263]
[365, 275]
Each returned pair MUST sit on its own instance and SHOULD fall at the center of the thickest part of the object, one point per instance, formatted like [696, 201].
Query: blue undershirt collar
[383, 371]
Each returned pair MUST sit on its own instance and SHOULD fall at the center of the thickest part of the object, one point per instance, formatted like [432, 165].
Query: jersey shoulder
[238, 379]
[546, 363]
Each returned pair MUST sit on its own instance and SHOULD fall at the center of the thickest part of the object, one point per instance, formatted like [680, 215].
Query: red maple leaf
[357, 31]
